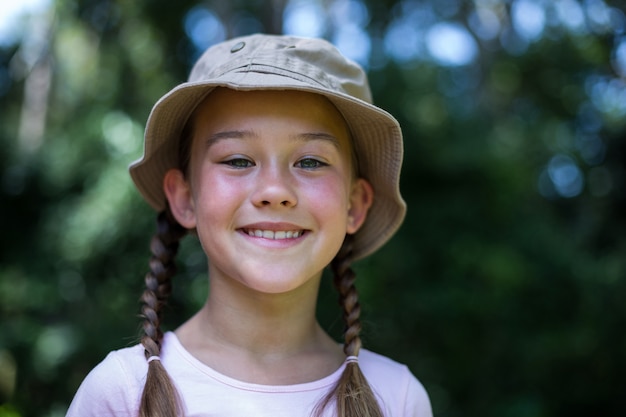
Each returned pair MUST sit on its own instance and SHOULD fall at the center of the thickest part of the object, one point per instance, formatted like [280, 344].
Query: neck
[260, 337]
[238, 318]
[261, 323]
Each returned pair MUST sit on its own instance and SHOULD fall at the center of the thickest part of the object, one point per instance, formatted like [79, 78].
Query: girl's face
[270, 188]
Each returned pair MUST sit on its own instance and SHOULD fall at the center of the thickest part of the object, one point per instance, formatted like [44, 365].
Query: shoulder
[380, 366]
[113, 387]
[400, 392]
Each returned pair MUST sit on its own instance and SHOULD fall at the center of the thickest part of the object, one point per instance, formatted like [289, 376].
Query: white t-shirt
[114, 387]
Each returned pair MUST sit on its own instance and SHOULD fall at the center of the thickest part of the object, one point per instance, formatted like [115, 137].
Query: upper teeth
[270, 234]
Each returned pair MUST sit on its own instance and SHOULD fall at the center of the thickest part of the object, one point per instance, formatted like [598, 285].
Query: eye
[239, 163]
[310, 163]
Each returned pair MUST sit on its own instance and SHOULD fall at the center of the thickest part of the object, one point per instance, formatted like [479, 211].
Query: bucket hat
[274, 62]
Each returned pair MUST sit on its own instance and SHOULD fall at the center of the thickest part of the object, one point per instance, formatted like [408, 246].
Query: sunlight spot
[571, 15]
[403, 42]
[203, 28]
[53, 346]
[354, 43]
[619, 57]
[599, 15]
[11, 14]
[349, 12]
[451, 44]
[608, 96]
[122, 135]
[529, 19]
[302, 18]
[484, 23]
[565, 175]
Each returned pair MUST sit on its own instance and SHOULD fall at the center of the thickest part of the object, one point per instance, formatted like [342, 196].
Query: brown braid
[352, 393]
[159, 398]
[344, 278]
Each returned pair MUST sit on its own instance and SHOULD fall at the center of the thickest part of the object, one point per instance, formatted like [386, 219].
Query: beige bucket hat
[272, 62]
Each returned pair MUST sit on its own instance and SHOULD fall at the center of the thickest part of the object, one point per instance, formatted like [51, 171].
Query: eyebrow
[243, 134]
[228, 134]
[319, 136]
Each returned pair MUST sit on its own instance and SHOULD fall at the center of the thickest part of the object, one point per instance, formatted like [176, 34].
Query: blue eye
[239, 163]
[310, 163]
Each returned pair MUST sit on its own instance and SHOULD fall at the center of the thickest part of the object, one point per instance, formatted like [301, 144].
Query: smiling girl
[273, 154]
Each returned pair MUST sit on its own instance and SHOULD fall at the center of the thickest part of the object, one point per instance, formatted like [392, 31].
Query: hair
[352, 394]
[159, 397]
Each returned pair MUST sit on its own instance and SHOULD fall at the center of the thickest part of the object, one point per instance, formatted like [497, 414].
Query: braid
[344, 278]
[352, 393]
[159, 398]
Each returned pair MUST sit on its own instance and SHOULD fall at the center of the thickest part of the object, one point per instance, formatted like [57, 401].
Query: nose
[275, 186]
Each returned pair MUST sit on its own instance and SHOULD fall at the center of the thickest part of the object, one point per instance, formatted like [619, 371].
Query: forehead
[224, 108]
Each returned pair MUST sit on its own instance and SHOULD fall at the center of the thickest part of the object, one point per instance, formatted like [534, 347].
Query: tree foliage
[501, 291]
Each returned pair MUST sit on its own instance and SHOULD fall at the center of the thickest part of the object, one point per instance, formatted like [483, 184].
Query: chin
[276, 288]
[282, 283]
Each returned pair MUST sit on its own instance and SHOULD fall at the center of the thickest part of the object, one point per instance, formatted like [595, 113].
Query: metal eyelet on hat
[237, 47]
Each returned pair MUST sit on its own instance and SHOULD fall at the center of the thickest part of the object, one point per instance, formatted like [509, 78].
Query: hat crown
[311, 61]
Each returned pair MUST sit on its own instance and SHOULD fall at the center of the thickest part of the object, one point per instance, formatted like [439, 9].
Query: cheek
[329, 196]
[214, 194]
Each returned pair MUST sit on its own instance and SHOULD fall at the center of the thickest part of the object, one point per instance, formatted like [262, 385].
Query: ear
[179, 196]
[361, 199]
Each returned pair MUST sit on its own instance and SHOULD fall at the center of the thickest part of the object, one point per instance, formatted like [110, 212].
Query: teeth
[270, 234]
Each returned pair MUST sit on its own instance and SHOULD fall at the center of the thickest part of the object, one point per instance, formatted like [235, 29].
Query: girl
[273, 155]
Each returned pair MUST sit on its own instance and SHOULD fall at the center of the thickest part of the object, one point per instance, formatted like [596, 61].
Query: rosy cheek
[327, 195]
[214, 189]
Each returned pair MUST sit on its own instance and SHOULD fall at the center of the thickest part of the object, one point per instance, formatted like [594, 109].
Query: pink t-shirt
[113, 388]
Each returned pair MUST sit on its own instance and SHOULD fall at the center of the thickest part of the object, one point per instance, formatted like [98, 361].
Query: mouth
[274, 234]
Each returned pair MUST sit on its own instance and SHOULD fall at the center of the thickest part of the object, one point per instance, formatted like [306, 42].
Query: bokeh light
[451, 44]
[204, 28]
[304, 18]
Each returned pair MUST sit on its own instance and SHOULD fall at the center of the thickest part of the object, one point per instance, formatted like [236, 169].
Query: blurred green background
[504, 290]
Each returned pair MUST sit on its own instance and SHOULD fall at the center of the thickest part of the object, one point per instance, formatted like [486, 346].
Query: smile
[278, 235]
